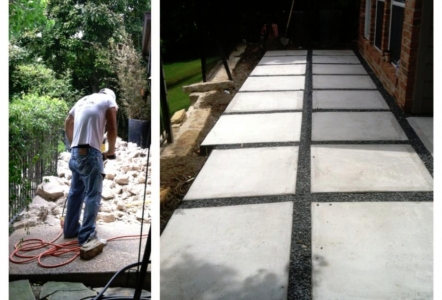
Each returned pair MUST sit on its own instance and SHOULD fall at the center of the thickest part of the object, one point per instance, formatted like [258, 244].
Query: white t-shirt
[90, 119]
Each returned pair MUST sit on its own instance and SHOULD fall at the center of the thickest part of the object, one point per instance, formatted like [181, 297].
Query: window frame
[367, 19]
[375, 24]
[400, 4]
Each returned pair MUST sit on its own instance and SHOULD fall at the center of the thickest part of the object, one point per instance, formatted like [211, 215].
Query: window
[379, 23]
[396, 24]
[367, 18]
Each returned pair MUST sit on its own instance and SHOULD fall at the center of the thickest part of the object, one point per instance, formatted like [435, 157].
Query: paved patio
[317, 187]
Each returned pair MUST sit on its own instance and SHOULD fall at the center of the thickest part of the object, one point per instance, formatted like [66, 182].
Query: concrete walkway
[317, 187]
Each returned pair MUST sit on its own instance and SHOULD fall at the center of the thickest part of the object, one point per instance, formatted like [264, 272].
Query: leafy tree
[25, 15]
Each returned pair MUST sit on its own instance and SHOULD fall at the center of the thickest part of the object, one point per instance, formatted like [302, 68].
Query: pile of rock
[122, 197]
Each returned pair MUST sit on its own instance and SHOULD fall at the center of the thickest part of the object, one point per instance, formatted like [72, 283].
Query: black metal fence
[33, 164]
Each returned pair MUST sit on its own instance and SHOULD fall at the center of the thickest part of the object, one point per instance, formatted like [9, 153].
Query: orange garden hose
[52, 249]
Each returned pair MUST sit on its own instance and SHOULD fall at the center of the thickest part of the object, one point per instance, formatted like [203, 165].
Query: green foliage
[34, 124]
[25, 15]
[132, 80]
[36, 78]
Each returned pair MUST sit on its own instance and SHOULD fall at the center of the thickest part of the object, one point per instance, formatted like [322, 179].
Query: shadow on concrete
[196, 278]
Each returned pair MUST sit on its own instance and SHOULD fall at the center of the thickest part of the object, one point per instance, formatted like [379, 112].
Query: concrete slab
[266, 101]
[356, 126]
[367, 168]
[116, 254]
[282, 60]
[246, 172]
[423, 126]
[333, 52]
[227, 252]
[335, 60]
[266, 70]
[376, 250]
[348, 100]
[338, 69]
[255, 128]
[286, 53]
[359, 82]
[273, 83]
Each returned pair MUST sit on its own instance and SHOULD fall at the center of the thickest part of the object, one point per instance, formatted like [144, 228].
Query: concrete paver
[348, 100]
[227, 253]
[343, 82]
[338, 69]
[375, 250]
[282, 60]
[255, 128]
[266, 101]
[266, 70]
[356, 126]
[286, 53]
[273, 83]
[246, 172]
[335, 60]
[333, 52]
[20, 290]
[423, 126]
[367, 168]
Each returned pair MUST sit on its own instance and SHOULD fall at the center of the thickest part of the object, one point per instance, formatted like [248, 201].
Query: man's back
[90, 118]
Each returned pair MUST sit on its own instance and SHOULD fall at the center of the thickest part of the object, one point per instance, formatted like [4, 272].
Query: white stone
[266, 101]
[372, 250]
[273, 83]
[249, 172]
[105, 207]
[51, 189]
[121, 179]
[368, 168]
[227, 252]
[110, 176]
[267, 70]
[360, 82]
[255, 128]
[121, 206]
[348, 100]
[106, 217]
[64, 156]
[107, 193]
[356, 126]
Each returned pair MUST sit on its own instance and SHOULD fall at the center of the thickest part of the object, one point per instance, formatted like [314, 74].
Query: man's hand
[108, 155]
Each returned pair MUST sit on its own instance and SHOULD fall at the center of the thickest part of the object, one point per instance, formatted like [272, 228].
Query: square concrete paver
[348, 100]
[255, 128]
[423, 126]
[279, 70]
[246, 172]
[360, 82]
[356, 126]
[338, 69]
[273, 83]
[286, 53]
[266, 101]
[376, 250]
[232, 252]
[368, 168]
[333, 52]
[282, 60]
[335, 60]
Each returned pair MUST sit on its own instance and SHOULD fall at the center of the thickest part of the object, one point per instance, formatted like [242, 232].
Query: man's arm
[111, 124]
[69, 128]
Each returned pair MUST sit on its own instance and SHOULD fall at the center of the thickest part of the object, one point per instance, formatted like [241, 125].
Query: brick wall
[400, 87]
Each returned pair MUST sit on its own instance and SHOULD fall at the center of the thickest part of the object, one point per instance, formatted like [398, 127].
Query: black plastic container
[139, 133]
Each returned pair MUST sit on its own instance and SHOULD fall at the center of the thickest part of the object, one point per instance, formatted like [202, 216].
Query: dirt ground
[178, 173]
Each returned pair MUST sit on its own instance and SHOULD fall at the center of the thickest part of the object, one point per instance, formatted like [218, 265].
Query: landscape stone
[20, 290]
[208, 86]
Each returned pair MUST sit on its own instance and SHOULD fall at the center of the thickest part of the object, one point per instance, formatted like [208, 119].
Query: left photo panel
[80, 159]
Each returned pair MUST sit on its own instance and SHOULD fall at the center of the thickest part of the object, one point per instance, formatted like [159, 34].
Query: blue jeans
[86, 165]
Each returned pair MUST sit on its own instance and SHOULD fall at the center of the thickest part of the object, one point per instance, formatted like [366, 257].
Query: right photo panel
[296, 149]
